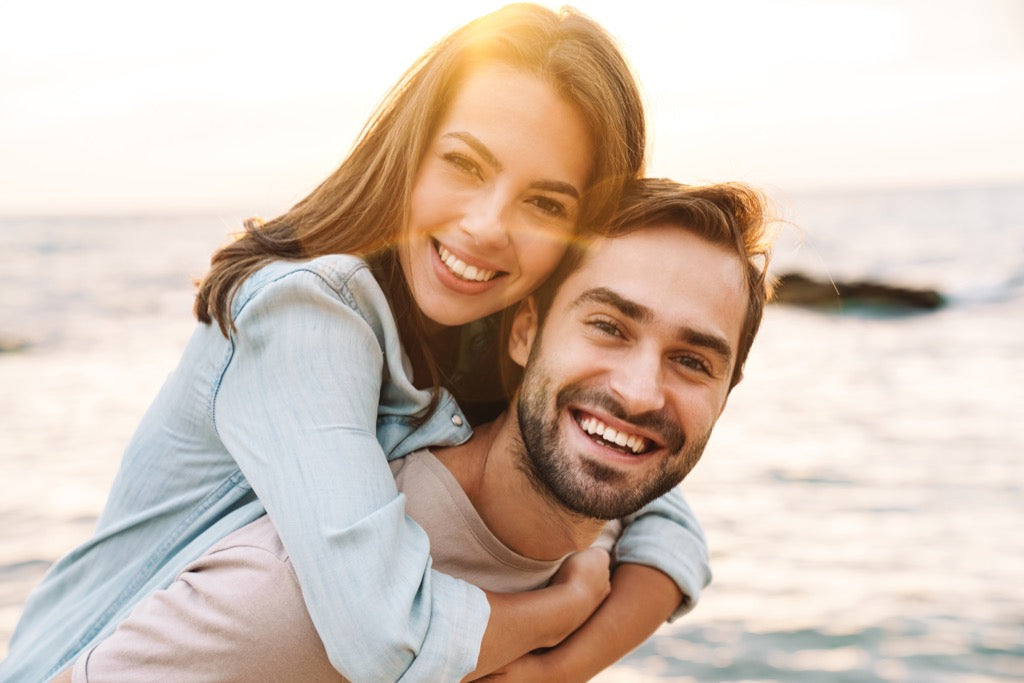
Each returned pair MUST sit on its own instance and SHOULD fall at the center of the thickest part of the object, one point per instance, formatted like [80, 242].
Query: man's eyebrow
[711, 342]
[488, 156]
[628, 307]
[642, 314]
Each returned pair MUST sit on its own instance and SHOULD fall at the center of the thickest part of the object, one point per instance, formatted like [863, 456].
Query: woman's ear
[523, 331]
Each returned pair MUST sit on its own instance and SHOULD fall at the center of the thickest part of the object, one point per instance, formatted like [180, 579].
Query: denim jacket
[296, 415]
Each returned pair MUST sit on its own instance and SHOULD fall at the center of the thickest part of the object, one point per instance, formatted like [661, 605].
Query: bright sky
[120, 106]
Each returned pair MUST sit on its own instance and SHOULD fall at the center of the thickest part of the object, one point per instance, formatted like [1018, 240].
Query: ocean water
[863, 494]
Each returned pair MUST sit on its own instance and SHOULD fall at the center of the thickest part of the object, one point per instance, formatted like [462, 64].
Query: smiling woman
[497, 197]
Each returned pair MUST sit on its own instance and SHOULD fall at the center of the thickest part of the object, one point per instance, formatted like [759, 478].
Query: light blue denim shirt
[291, 416]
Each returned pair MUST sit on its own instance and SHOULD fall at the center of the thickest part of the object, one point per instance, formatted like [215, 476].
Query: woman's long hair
[361, 208]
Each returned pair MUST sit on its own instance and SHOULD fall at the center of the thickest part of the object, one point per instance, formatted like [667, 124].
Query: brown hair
[361, 207]
[733, 215]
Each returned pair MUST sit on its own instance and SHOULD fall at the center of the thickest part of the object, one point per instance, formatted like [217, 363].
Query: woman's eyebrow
[478, 146]
[556, 186]
[488, 156]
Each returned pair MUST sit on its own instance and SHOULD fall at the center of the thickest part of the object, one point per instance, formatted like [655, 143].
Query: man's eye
[694, 363]
[609, 328]
[463, 164]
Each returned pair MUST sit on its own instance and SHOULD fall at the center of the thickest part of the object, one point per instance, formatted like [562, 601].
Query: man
[628, 355]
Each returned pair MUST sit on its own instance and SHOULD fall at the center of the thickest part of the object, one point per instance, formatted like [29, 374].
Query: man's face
[631, 369]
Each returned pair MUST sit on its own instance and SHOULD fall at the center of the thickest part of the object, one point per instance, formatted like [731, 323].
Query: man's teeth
[594, 427]
[463, 269]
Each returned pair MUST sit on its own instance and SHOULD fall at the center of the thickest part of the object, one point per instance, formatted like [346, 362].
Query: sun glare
[121, 105]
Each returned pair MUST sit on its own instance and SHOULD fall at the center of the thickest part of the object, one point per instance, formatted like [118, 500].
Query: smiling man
[627, 357]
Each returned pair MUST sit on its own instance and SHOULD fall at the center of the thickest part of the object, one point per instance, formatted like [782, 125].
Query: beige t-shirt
[460, 542]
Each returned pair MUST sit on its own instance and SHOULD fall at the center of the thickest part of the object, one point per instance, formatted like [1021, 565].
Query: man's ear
[725, 401]
[523, 331]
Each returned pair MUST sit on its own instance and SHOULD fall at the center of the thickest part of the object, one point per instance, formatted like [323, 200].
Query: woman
[458, 199]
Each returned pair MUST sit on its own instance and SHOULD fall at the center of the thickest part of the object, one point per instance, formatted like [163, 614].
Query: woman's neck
[442, 347]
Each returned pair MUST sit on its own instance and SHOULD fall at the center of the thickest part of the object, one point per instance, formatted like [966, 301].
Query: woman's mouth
[623, 442]
[461, 269]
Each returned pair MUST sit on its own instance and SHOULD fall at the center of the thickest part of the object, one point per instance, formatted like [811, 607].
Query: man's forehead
[659, 246]
[670, 270]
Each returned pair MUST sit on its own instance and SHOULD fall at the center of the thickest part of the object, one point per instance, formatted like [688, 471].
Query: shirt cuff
[684, 560]
[453, 652]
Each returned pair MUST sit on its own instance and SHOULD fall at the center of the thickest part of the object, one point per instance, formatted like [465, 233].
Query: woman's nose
[485, 222]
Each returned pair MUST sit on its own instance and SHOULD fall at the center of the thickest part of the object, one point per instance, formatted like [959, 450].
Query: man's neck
[529, 521]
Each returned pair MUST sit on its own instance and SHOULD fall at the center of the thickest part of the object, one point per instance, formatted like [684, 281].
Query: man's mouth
[624, 442]
[461, 269]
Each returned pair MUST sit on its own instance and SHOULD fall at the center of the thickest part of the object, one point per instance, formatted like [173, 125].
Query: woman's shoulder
[345, 276]
[336, 270]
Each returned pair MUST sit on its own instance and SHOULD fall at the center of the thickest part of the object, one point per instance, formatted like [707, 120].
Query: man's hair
[732, 215]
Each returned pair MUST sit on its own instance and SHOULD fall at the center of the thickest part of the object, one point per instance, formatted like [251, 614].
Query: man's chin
[602, 493]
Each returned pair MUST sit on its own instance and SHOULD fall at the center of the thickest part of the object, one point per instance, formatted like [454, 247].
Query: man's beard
[586, 487]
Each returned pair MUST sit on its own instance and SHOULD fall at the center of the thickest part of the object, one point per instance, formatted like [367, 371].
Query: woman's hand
[523, 622]
[641, 599]
[585, 575]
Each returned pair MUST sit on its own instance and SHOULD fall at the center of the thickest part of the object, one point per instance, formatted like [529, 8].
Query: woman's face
[496, 197]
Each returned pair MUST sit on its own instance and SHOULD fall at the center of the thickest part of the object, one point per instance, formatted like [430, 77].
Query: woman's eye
[463, 164]
[550, 206]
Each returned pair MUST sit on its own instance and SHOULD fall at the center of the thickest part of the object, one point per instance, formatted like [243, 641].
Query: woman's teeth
[591, 425]
[462, 269]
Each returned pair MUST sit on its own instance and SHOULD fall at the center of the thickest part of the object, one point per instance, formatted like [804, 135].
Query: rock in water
[12, 344]
[800, 290]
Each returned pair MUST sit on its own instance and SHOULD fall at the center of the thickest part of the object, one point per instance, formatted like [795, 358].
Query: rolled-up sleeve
[666, 535]
[297, 406]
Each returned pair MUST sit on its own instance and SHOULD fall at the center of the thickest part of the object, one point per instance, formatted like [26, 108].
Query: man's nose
[485, 221]
[638, 381]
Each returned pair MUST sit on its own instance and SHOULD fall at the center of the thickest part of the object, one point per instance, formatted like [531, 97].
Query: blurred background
[862, 495]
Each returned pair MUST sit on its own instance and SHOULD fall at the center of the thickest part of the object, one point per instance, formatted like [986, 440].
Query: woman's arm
[578, 588]
[640, 601]
[297, 408]
[665, 535]
[663, 565]
[238, 613]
